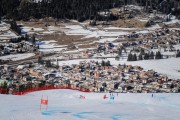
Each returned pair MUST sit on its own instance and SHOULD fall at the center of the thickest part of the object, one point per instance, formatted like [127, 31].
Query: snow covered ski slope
[67, 105]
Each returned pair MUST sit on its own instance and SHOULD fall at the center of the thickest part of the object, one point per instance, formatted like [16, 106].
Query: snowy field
[50, 46]
[106, 32]
[66, 105]
[15, 57]
[5, 32]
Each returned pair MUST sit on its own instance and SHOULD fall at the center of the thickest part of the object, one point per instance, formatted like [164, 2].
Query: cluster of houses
[14, 48]
[163, 40]
[122, 78]
[93, 76]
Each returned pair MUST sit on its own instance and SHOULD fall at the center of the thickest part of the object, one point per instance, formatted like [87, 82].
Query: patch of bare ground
[175, 25]
[128, 23]
[88, 45]
[79, 40]
[44, 22]
[115, 11]
[40, 24]
[58, 36]
[64, 39]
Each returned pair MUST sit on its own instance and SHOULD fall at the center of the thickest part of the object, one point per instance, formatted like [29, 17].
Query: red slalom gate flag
[44, 102]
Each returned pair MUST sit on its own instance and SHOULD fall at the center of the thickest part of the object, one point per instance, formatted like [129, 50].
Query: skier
[105, 96]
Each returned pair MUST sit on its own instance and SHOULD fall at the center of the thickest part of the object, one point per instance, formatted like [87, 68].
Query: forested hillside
[77, 9]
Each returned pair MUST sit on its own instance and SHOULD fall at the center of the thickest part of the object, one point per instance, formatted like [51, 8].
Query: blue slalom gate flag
[112, 98]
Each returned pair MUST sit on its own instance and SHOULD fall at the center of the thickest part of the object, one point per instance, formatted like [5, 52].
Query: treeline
[105, 63]
[76, 9]
[144, 56]
[15, 27]
[9, 8]
[61, 9]
[26, 37]
[165, 6]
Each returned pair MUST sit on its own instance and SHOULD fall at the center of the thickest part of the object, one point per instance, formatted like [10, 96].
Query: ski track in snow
[81, 114]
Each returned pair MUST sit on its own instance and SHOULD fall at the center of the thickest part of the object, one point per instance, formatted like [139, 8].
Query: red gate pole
[47, 104]
[40, 102]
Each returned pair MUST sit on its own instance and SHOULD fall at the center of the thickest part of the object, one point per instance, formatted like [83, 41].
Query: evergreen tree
[172, 86]
[9, 8]
[140, 57]
[64, 9]
[142, 52]
[103, 63]
[4, 85]
[21, 88]
[117, 57]
[158, 55]
[15, 27]
[178, 54]
[130, 57]
[77, 9]
[33, 40]
[146, 56]
[108, 63]
[38, 47]
[48, 63]
[26, 37]
[151, 56]
[57, 64]
[120, 51]
[134, 58]
[124, 65]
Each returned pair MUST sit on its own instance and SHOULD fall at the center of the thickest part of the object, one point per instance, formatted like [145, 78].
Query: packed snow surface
[66, 105]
